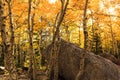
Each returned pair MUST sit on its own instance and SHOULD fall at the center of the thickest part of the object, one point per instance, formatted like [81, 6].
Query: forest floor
[40, 75]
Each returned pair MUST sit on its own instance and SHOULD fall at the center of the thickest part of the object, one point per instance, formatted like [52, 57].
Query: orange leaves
[18, 7]
[94, 4]
[49, 10]
[77, 4]
[39, 25]
[97, 9]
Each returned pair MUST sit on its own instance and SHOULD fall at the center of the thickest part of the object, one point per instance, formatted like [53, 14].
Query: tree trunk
[40, 47]
[34, 60]
[67, 33]
[21, 55]
[2, 28]
[10, 47]
[79, 37]
[54, 52]
[93, 33]
[114, 43]
[86, 43]
[30, 33]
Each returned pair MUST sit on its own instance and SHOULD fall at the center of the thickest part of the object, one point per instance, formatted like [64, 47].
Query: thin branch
[24, 22]
[20, 16]
[62, 14]
[107, 15]
[55, 23]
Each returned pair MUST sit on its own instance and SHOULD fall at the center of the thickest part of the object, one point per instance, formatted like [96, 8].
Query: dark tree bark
[2, 27]
[54, 52]
[86, 44]
[67, 33]
[10, 47]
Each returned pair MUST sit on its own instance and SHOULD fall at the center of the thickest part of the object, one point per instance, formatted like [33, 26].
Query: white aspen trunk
[10, 47]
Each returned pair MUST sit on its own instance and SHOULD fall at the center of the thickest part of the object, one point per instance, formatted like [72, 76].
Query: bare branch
[108, 15]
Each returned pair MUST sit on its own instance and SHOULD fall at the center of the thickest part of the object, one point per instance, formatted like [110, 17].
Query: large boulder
[96, 67]
[109, 57]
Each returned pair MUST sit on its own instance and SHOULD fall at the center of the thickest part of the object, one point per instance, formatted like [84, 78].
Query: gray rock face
[96, 67]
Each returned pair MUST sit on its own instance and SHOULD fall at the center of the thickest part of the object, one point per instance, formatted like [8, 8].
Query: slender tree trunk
[2, 26]
[2, 29]
[10, 47]
[31, 52]
[67, 33]
[34, 60]
[86, 44]
[20, 54]
[113, 39]
[55, 50]
[114, 44]
[32, 67]
[93, 33]
[79, 37]
[107, 40]
[40, 46]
